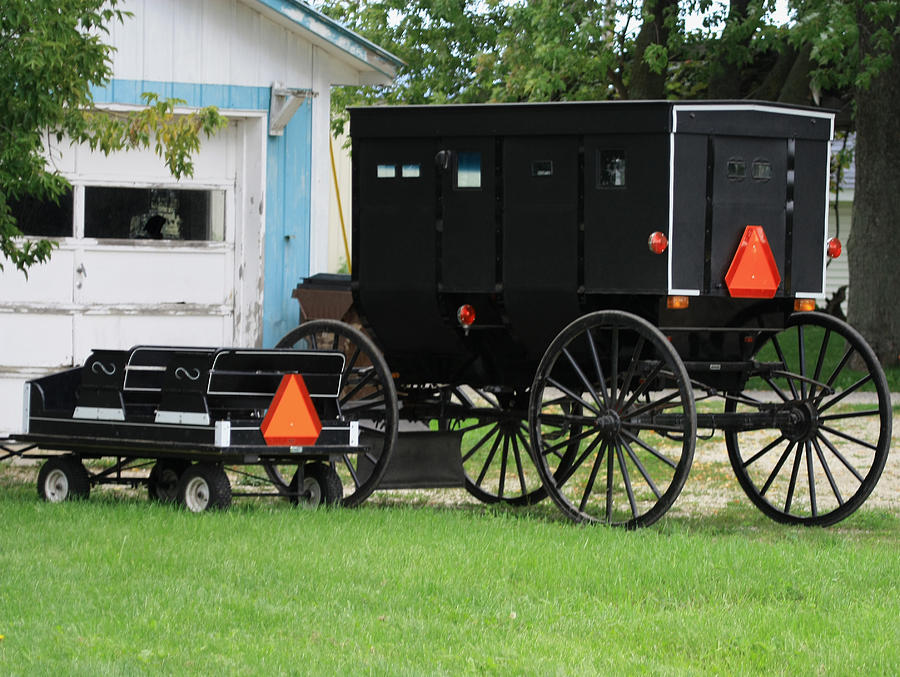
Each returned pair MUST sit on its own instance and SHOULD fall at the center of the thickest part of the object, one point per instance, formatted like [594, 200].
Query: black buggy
[546, 299]
[573, 292]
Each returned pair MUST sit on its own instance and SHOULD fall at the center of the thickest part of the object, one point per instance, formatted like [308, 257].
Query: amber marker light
[466, 315]
[657, 242]
[834, 248]
[804, 305]
[677, 302]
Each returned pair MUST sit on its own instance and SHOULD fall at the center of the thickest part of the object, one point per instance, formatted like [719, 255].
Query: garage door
[142, 259]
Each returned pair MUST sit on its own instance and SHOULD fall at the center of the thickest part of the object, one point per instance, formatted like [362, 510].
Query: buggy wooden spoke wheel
[829, 392]
[612, 420]
[495, 446]
[367, 396]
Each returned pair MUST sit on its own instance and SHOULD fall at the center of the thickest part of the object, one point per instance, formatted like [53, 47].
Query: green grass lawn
[119, 586]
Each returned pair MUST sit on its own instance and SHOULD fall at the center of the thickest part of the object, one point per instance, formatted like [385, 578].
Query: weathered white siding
[114, 294]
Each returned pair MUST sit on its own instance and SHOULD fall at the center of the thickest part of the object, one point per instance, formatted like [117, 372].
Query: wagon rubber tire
[820, 468]
[162, 483]
[63, 478]
[321, 484]
[612, 420]
[204, 486]
[367, 395]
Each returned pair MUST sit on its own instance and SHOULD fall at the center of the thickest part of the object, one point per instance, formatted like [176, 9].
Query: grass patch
[117, 585]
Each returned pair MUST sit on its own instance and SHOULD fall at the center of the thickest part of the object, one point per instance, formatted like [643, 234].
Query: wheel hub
[57, 486]
[609, 423]
[803, 421]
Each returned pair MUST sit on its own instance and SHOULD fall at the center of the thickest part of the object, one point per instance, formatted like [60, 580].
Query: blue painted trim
[195, 95]
[288, 188]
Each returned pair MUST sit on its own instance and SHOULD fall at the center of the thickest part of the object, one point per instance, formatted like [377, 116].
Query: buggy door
[541, 224]
[749, 187]
[395, 244]
[468, 233]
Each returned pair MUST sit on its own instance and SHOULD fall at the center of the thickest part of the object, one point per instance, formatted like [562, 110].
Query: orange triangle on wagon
[292, 419]
[753, 272]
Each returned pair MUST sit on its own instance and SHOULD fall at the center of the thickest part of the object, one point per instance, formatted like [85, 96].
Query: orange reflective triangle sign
[753, 272]
[292, 419]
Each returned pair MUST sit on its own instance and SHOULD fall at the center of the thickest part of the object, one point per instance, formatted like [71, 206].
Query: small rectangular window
[542, 168]
[468, 170]
[411, 171]
[737, 169]
[154, 213]
[611, 169]
[44, 218]
[762, 170]
[386, 171]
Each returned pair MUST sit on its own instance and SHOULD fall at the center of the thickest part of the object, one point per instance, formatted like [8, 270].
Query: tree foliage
[841, 54]
[464, 51]
[52, 52]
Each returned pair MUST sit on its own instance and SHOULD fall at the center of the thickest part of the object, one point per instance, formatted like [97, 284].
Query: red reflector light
[753, 272]
[657, 242]
[466, 315]
[834, 248]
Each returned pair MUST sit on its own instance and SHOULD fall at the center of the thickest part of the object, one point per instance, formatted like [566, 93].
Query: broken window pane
[154, 213]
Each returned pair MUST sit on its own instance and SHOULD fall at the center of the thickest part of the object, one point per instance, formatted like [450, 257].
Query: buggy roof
[733, 118]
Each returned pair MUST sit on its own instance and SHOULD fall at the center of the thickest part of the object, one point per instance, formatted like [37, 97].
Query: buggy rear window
[468, 170]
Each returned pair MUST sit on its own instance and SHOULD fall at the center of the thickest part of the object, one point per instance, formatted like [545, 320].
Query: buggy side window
[468, 170]
[542, 168]
[610, 169]
[737, 169]
[386, 171]
[411, 171]
[762, 170]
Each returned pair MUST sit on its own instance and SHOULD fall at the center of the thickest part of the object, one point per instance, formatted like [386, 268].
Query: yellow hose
[337, 192]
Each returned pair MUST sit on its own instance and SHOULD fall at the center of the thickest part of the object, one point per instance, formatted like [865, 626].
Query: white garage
[210, 259]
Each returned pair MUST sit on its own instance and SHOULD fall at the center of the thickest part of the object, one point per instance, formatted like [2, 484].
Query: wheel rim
[496, 452]
[56, 486]
[367, 396]
[313, 493]
[827, 454]
[196, 494]
[612, 420]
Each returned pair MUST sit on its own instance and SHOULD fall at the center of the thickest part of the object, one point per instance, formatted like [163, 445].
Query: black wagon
[567, 295]
[546, 299]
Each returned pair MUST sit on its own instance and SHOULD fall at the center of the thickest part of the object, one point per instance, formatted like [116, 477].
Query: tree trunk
[645, 84]
[725, 73]
[874, 301]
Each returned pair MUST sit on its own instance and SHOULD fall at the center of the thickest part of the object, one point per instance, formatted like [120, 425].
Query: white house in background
[208, 260]
[840, 214]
